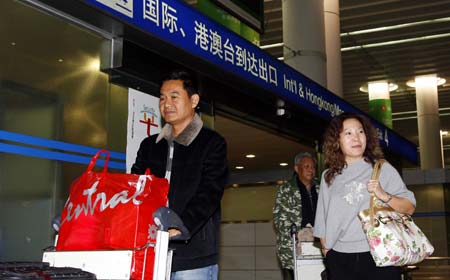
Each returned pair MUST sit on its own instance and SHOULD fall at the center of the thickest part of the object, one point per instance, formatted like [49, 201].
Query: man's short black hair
[189, 81]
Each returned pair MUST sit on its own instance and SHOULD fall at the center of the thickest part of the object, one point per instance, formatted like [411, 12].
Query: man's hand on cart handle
[173, 232]
[167, 220]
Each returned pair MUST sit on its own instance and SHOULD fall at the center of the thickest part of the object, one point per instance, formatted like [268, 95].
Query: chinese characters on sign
[163, 15]
[212, 41]
[178, 24]
[209, 40]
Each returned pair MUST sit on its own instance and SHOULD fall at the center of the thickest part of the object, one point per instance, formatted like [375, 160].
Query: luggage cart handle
[165, 218]
[293, 232]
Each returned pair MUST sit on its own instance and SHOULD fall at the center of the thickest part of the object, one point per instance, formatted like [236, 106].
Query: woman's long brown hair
[334, 158]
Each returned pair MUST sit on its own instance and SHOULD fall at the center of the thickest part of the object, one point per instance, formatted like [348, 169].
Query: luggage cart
[309, 264]
[117, 264]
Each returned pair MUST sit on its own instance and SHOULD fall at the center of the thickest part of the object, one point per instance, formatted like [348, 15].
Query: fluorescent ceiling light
[271, 46]
[388, 43]
[250, 156]
[385, 28]
[378, 29]
[415, 112]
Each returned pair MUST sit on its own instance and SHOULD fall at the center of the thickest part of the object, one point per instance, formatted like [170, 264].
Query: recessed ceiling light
[284, 164]
[60, 60]
[235, 185]
[250, 156]
[391, 87]
[239, 167]
[13, 43]
[439, 82]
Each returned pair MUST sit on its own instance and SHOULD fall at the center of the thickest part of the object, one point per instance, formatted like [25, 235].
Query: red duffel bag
[108, 211]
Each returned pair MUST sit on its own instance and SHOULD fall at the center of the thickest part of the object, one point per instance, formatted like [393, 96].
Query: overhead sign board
[179, 24]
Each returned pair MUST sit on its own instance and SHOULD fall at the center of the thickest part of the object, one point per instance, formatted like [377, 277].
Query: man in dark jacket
[193, 159]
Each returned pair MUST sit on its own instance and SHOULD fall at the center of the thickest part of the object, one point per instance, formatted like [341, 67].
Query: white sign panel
[144, 119]
[122, 6]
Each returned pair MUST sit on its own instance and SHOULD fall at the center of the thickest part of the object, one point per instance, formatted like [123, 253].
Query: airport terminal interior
[54, 90]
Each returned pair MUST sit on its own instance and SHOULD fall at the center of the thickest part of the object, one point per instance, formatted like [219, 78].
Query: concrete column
[333, 46]
[304, 38]
[428, 122]
[380, 102]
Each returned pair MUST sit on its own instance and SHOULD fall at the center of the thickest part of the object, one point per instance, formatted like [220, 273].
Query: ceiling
[269, 149]
[427, 51]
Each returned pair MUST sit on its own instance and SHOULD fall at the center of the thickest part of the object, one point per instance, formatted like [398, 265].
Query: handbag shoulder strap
[377, 169]
[375, 174]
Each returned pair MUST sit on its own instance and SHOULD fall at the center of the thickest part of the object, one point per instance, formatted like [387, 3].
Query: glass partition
[51, 89]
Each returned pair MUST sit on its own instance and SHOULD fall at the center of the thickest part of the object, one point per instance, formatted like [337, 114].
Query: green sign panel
[380, 109]
[250, 34]
[232, 23]
[211, 10]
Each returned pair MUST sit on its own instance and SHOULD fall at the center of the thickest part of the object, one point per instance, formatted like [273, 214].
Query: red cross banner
[144, 119]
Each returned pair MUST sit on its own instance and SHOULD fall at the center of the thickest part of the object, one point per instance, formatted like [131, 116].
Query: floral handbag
[394, 238]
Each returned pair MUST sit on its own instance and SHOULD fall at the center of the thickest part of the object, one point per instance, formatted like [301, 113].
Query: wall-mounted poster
[144, 119]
